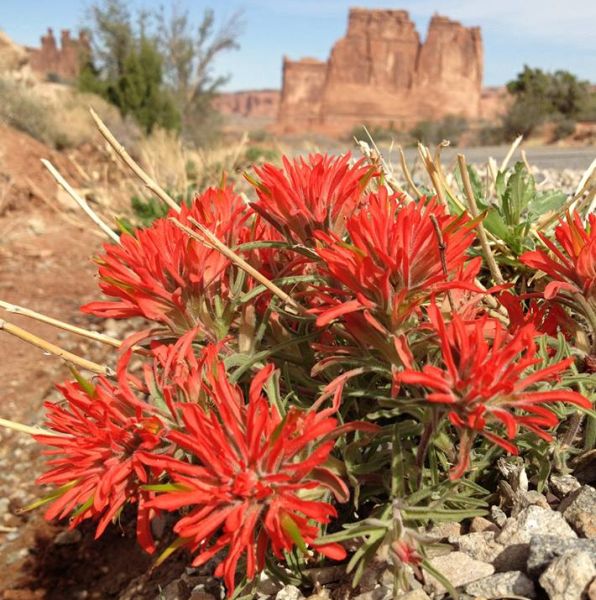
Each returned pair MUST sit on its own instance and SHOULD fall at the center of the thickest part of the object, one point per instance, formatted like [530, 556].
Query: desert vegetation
[327, 366]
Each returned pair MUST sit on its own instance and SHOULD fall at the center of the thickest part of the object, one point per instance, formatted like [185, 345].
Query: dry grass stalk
[473, 208]
[132, 165]
[93, 335]
[209, 239]
[80, 201]
[22, 428]
[46, 346]
[407, 173]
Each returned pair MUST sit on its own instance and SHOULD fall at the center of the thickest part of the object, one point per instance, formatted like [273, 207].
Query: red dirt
[45, 265]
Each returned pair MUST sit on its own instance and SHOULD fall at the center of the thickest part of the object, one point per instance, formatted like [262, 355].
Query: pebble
[563, 485]
[545, 548]
[518, 532]
[480, 545]
[68, 537]
[289, 592]
[480, 524]
[568, 576]
[459, 568]
[501, 585]
[579, 510]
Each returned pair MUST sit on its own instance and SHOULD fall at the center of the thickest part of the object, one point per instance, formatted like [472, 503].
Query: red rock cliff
[381, 73]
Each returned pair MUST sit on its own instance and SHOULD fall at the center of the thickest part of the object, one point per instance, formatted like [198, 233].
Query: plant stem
[208, 238]
[93, 335]
[442, 248]
[132, 165]
[473, 208]
[80, 201]
[53, 349]
[24, 428]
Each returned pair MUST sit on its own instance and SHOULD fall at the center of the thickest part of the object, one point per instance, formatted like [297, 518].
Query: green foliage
[148, 211]
[518, 205]
[541, 96]
[255, 154]
[433, 132]
[377, 132]
[159, 70]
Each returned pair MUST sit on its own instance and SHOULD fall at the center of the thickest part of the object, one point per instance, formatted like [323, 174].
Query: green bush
[434, 132]
[255, 154]
[564, 128]
[541, 97]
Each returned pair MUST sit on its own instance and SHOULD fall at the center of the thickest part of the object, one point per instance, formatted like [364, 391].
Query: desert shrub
[377, 132]
[328, 368]
[540, 97]
[433, 132]
[23, 109]
[563, 128]
[255, 154]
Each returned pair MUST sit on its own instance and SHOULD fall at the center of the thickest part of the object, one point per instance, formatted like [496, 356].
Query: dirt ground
[45, 265]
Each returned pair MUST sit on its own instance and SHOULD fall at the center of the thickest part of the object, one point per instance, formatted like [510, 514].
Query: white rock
[568, 576]
[459, 569]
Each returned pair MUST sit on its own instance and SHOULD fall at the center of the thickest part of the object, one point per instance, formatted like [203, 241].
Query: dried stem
[407, 174]
[516, 142]
[93, 335]
[431, 169]
[80, 201]
[209, 239]
[442, 249]
[473, 208]
[24, 428]
[387, 171]
[132, 165]
[65, 355]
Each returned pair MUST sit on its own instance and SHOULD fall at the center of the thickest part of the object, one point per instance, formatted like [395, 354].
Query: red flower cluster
[250, 470]
[308, 196]
[163, 275]
[483, 384]
[572, 266]
[97, 436]
[250, 473]
[393, 262]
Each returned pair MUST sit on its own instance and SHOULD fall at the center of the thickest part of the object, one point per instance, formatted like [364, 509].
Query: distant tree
[541, 96]
[159, 66]
[190, 52]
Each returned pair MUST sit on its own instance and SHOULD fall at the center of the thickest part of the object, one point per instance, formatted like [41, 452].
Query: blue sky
[550, 34]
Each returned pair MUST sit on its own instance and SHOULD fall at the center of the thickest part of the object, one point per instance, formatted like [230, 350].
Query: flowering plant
[324, 368]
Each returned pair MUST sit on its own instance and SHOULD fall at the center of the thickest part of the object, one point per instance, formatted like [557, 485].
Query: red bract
[246, 491]
[573, 265]
[98, 433]
[163, 275]
[392, 262]
[484, 385]
[546, 316]
[311, 195]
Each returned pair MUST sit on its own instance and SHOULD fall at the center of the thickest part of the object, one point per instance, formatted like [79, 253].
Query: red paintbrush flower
[546, 316]
[163, 275]
[306, 196]
[392, 262]
[485, 385]
[97, 434]
[572, 266]
[253, 478]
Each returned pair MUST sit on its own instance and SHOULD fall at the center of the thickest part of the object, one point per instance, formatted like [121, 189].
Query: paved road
[544, 157]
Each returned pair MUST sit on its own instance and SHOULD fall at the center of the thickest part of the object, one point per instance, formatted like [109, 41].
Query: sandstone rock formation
[249, 103]
[63, 61]
[381, 73]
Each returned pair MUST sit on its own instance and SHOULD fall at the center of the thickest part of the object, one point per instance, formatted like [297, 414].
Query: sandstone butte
[381, 73]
